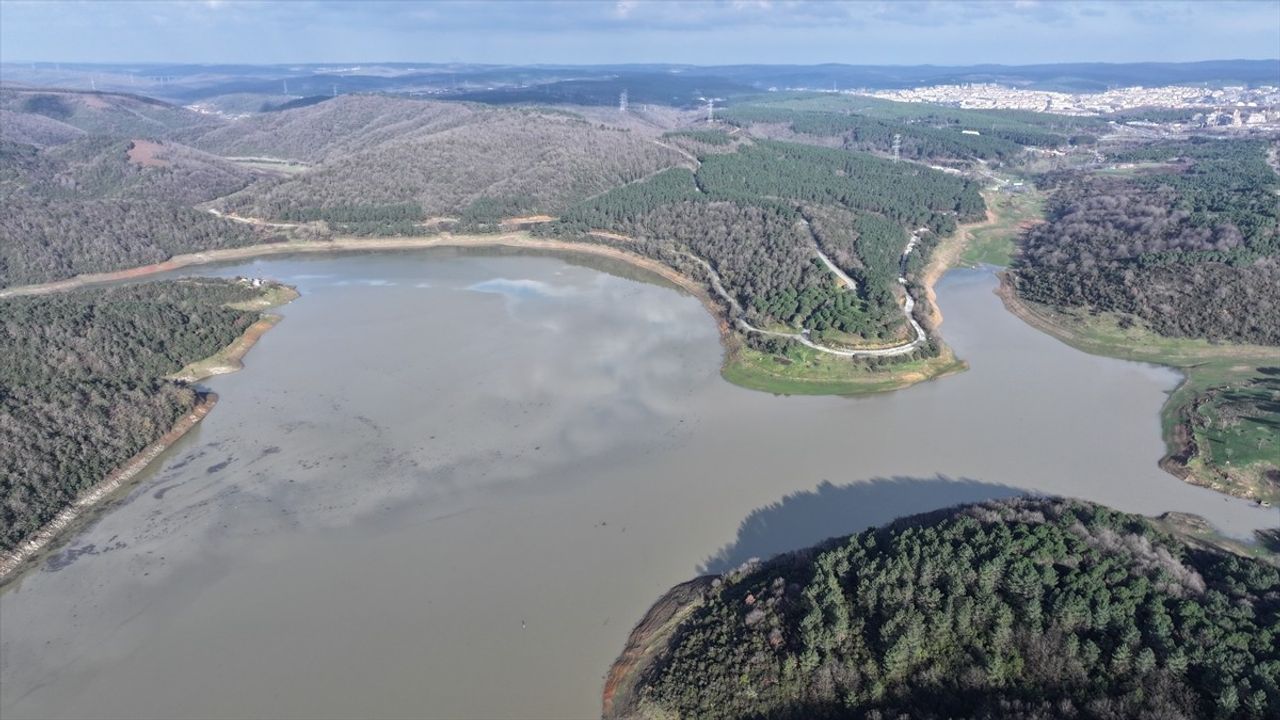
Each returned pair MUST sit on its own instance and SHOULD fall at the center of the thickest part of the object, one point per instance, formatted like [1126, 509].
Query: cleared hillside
[138, 168]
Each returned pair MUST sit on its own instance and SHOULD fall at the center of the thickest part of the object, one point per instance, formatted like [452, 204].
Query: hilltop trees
[550, 160]
[88, 206]
[758, 215]
[1018, 609]
[1192, 252]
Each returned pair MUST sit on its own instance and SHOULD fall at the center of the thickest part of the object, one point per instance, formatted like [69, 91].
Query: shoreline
[944, 258]
[27, 551]
[518, 239]
[522, 240]
[229, 359]
[647, 640]
[1179, 438]
[226, 360]
[1174, 460]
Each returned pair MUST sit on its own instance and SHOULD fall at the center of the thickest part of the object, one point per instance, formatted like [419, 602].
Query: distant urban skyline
[960, 32]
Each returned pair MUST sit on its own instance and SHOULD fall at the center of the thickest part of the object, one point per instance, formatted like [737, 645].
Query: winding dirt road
[802, 337]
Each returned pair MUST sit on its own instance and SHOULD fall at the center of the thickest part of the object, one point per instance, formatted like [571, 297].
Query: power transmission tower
[335, 90]
[897, 146]
[711, 108]
[622, 102]
[286, 86]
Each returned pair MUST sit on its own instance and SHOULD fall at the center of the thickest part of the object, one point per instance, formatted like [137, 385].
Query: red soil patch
[145, 153]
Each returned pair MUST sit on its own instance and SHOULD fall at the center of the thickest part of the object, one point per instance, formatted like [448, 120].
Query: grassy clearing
[271, 165]
[805, 371]
[1227, 414]
[993, 243]
[1222, 424]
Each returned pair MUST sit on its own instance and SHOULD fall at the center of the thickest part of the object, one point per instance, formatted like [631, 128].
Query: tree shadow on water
[808, 517]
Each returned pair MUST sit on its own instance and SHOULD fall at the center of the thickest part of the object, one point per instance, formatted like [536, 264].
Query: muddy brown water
[446, 486]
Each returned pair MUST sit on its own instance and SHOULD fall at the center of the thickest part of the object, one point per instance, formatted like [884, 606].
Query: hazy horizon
[1026, 32]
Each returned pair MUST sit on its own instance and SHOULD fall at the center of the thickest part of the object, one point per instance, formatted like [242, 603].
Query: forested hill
[1027, 608]
[1188, 243]
[449, 160]
[331, 129]
[83, 388]
[99, 203]
[47, 116]
[759, 214]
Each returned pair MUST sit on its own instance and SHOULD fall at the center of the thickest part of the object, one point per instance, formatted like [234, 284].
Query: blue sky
[950, 32]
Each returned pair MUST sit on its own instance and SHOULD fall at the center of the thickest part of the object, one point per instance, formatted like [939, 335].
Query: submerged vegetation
[1012, 609]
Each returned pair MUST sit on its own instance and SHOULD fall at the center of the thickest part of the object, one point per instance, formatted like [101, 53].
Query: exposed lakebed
[447, 485]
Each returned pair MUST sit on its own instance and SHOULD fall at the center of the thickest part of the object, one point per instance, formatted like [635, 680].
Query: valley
[404, 393]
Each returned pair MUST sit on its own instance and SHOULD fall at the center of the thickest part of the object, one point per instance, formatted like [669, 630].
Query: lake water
[446, 486]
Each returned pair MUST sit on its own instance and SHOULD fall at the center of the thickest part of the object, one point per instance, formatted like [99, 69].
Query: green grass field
[994, 244]
[805, 371]
[1239, 423]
